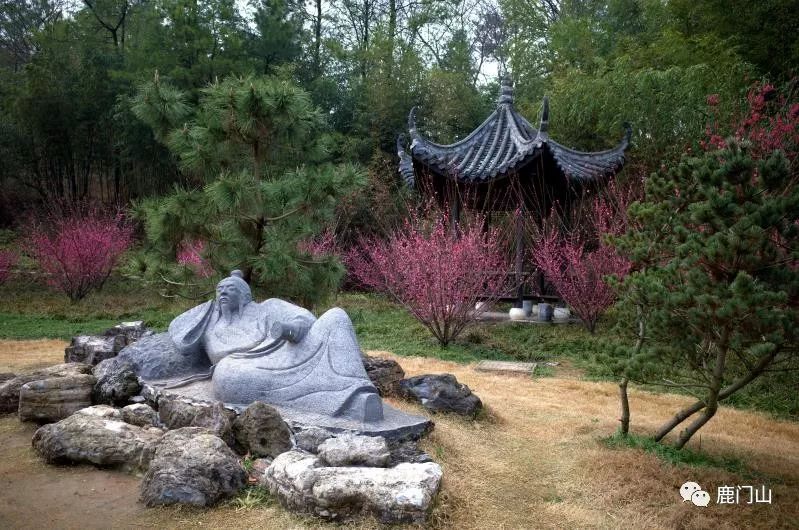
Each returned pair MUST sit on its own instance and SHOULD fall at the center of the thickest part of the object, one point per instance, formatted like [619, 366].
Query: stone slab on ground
[510, 367]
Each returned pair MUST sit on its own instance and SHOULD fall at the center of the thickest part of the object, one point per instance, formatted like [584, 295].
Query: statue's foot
[365, 407]
[373, 408]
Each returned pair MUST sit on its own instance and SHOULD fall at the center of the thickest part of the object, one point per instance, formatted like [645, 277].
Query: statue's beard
[229, 311]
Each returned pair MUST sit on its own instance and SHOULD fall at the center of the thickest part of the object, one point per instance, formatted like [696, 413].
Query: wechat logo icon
[691, 491]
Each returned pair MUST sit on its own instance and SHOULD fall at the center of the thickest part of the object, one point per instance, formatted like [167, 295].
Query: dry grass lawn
[534, 461]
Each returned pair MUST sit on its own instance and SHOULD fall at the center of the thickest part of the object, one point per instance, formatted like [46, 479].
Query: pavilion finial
[506, 90]
[543, 126]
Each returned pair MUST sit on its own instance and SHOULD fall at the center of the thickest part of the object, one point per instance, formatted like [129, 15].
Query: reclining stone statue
[274, 351]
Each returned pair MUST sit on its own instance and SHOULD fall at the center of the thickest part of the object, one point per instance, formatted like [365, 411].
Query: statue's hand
[287, 331]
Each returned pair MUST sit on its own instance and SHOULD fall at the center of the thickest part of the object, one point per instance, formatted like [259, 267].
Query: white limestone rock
[140, 414]
[403, 493]
[102, 411]
[352, 450]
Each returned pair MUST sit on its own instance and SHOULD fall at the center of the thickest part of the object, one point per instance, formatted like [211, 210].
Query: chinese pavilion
[504, 165]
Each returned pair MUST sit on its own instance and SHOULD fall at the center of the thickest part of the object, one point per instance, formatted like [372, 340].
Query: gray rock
[403, 493]
[155, 357]
[55, 398]
[176, 412]
[310, 438]
[352, 450]
[192, 466]
[260, 431]
[9, 390]
[149, 395]
[92, 349]
[102, 411]
[408, 451]
[441, 393]
[385, 374]
[130, 331]
[6, 376]
[116, 382]
[90, 439]
[140, 414]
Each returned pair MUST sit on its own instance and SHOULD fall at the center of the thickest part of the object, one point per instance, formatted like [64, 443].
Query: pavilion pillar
[520, 256]
[455, 212]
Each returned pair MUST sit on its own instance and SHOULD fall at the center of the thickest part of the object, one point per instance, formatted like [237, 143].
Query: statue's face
[228, 294]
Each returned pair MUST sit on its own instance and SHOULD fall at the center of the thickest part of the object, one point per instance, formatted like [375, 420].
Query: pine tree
[717, 282]
[257, 147]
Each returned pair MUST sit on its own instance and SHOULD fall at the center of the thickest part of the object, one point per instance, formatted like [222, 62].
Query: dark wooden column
[520, 254]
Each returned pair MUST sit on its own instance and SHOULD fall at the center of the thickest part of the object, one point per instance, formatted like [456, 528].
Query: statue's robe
[321, 373]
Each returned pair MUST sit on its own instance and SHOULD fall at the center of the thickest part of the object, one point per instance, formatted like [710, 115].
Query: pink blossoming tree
[190, 255]
[437, 272]
[578, 260]
[769, 122]
[7, 261]
[78, 249]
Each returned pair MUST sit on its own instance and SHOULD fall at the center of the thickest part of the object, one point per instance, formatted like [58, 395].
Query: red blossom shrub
[769, 122]
[580, 275]
[577, 261]
[323, 245]
[437, 273]
[7, 261]
[77, 249]
[190, 254]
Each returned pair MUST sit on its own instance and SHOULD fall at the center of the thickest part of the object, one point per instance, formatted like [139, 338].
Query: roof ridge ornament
[543, 125]
[506, 91]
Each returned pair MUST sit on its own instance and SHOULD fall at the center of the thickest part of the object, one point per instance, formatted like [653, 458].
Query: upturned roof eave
[503, 144]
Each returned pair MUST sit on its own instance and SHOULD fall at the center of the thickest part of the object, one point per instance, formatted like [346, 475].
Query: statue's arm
[186, 331]
[287, 321]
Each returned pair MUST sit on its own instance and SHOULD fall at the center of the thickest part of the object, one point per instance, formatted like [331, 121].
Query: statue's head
[233, 292]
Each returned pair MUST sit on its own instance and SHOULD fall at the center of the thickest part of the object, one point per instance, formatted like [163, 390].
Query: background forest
[70, 70]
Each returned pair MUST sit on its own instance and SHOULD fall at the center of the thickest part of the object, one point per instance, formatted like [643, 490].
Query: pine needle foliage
[255, 148]
[716, 288]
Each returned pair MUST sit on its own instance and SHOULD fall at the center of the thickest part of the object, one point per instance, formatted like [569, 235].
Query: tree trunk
[367, 20]
[392, 31]
[624, 399]
[687, 412]
[318, 39]
[678, 418]
[624, 428]
[520, 257]
[686, 435]
[712, 401]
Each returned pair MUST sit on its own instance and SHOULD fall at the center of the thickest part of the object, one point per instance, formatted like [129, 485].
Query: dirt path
[34, 495]
[535, 461]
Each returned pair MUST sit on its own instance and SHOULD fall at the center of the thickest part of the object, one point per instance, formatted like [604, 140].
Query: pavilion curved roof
[504, 143]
